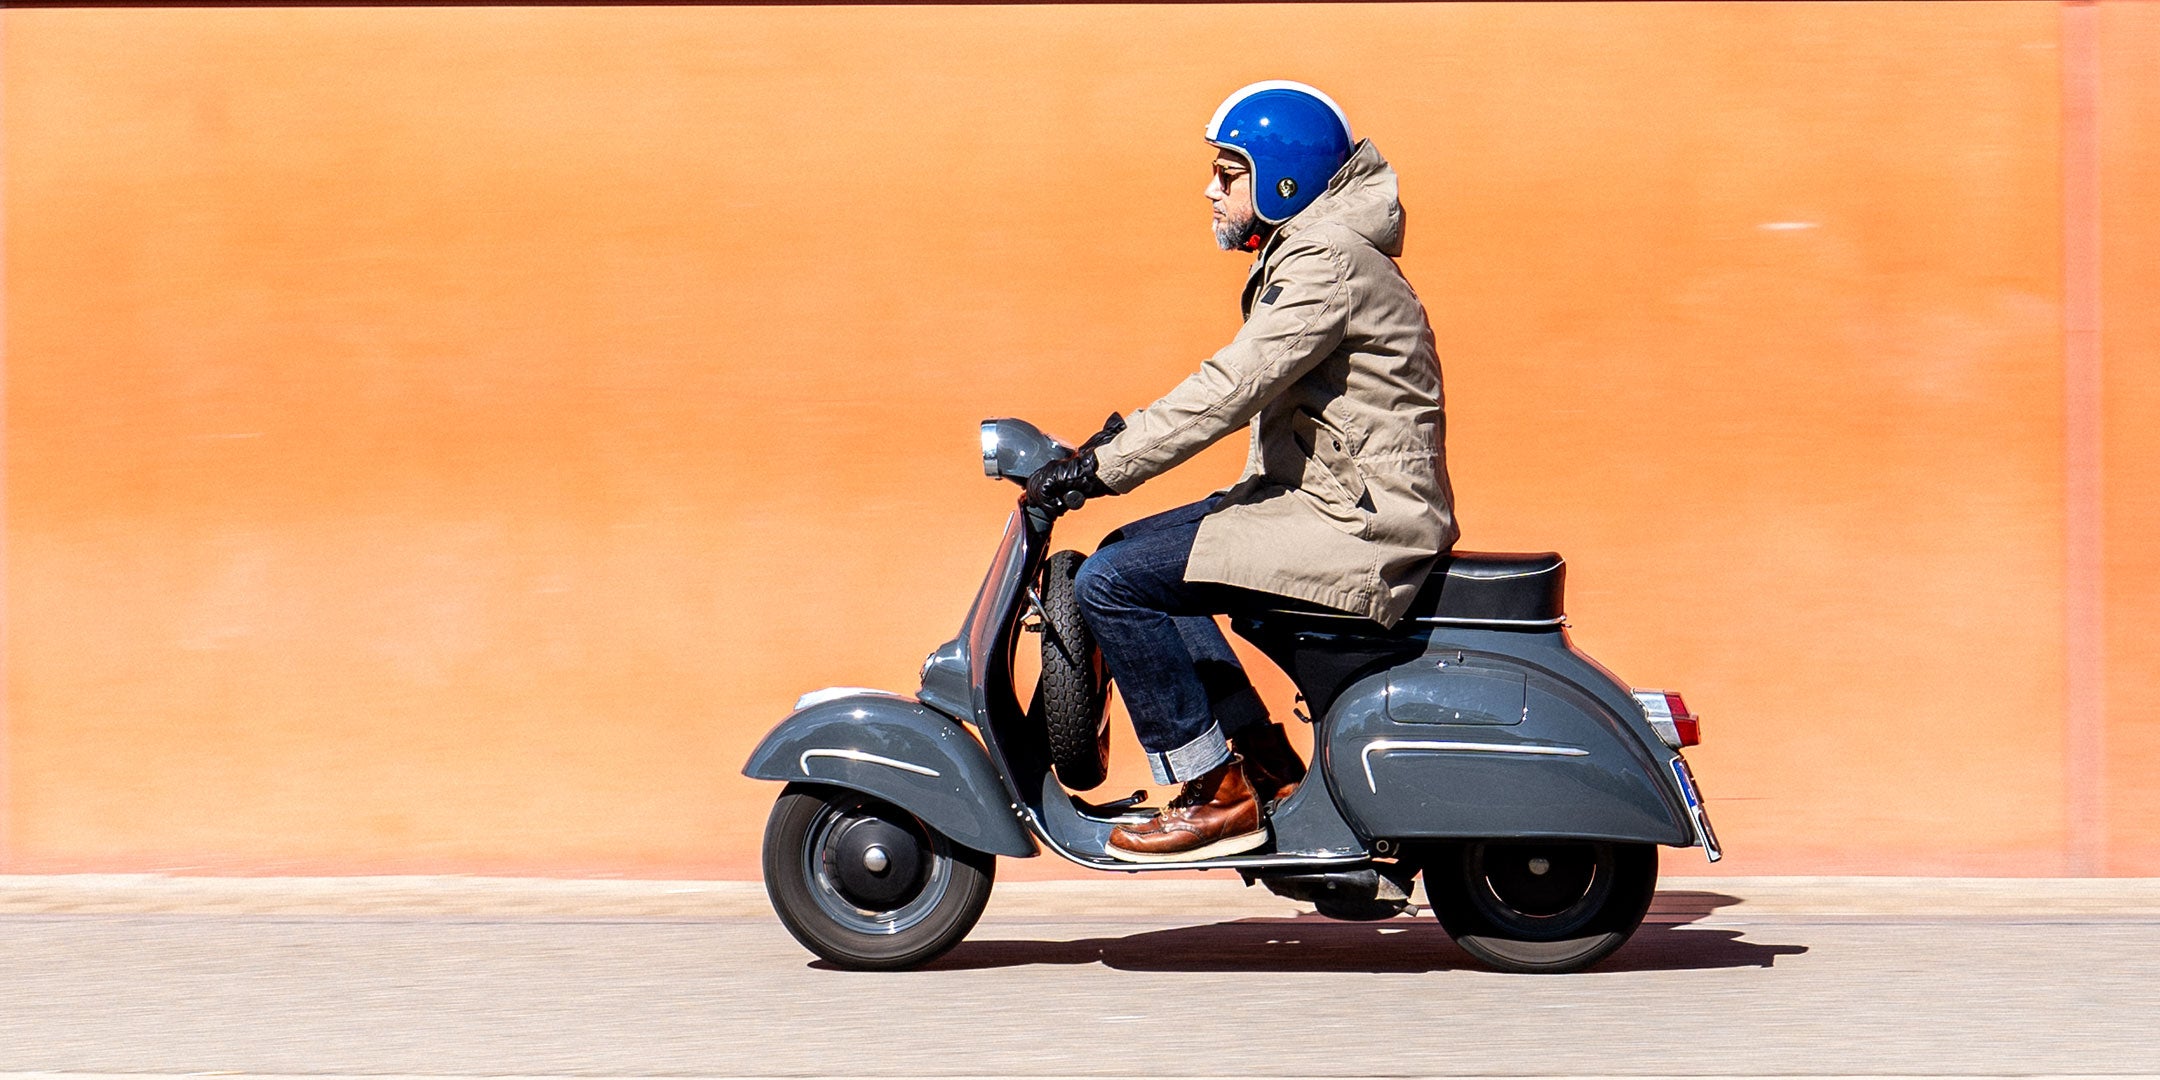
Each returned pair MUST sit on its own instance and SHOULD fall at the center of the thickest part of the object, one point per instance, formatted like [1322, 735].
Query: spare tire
[1074, 690]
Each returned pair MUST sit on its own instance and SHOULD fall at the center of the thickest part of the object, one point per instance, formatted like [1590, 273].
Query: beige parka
[1345, 499]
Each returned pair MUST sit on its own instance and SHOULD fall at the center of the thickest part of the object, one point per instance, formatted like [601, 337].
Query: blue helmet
[1294, 136]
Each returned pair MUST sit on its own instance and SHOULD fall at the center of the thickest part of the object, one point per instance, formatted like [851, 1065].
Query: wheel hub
[1541, 889]
[874, 863]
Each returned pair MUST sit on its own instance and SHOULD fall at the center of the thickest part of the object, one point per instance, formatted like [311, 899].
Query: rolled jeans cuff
[1196, 758]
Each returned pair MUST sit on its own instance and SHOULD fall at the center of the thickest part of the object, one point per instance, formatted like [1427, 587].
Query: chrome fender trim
[858, 755]
[1382, 746]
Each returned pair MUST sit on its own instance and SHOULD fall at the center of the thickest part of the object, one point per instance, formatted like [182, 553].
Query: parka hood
[1363, 197]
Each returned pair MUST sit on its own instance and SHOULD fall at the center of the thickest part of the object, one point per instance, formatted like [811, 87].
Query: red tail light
[1687, 724]
[1669, 717]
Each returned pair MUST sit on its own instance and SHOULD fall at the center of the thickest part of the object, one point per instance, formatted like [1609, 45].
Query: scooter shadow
[1400, 945]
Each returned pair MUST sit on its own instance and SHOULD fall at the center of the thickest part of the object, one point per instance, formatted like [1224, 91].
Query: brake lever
[1040, 518]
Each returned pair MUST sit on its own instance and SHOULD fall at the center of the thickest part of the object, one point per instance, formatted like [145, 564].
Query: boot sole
[1229, 845]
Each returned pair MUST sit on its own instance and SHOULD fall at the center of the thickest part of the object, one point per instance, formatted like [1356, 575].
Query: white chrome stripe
[1424, 620]
[1524, 573]
[1444, 620]
[1214, 124]
[1382, 746]
[857, 755]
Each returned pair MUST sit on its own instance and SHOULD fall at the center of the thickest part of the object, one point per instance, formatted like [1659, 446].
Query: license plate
[1696, 810]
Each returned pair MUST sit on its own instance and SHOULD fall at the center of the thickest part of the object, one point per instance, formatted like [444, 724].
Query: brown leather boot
[1215, 815]
[1273, 768]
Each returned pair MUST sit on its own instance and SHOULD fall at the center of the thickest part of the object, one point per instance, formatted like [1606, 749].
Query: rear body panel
[1484, 733]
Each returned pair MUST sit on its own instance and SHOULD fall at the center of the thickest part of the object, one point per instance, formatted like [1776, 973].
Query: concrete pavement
[452, 977]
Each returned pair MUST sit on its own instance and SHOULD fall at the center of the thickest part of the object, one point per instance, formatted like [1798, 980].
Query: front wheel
[865, 884]
[1074, 690]
[1541, 906]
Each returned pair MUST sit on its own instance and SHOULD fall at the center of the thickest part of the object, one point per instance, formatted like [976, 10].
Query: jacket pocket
[1330, 475]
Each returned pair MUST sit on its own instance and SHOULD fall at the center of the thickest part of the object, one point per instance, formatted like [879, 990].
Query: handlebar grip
[1074, 500]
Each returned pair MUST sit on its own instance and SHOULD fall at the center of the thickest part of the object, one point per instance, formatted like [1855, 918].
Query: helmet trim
[1214, 125]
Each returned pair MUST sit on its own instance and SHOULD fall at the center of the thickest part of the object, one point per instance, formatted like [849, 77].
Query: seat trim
[1557, 564]
[1423, 620]
[1510, 624]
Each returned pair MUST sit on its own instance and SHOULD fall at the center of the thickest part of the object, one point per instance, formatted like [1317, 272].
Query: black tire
[1074, 689]
[1543, 907]
[923, 898]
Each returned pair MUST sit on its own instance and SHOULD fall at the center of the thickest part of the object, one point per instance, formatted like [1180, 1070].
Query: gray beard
[1231, 235]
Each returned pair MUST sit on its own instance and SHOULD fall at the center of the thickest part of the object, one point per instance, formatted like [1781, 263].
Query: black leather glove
[1066, 484]
[1110, 429]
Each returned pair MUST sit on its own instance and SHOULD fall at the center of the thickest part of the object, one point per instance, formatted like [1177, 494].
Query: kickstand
[1110, 809]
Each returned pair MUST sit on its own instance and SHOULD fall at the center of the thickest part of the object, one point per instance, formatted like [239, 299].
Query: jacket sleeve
[1280, 341]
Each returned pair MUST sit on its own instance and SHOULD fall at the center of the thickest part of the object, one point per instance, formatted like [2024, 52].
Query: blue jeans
[1181, 682]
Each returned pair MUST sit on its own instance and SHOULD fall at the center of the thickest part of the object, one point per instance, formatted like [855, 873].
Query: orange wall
[2130, 280]
[447, 438]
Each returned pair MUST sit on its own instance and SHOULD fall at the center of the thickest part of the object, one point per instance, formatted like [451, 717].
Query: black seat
[1476, 587]
[1465, 588]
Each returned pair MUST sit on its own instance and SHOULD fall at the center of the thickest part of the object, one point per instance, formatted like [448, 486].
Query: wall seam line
[2084, 631]
[7, 732]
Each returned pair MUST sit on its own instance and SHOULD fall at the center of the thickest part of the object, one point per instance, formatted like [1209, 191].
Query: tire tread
[1074, 686]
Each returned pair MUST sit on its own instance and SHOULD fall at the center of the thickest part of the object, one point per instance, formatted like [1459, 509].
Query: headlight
[1015, 448]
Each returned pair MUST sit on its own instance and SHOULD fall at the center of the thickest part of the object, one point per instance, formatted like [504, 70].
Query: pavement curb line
[1680, 899]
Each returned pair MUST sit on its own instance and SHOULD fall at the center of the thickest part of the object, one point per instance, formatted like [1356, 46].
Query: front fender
[896, 749]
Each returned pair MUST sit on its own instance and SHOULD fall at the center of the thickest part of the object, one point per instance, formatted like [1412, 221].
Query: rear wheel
[1541, 906]
[865, 884]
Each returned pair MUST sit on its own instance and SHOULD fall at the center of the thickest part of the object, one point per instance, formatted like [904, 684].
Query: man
[1344, 501]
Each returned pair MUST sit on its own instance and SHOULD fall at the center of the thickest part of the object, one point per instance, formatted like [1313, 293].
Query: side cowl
[900, 751]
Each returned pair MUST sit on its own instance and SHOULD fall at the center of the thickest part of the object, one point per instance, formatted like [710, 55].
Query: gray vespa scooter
[1472, 743]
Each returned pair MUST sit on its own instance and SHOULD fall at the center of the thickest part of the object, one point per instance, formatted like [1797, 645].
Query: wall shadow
[1665, 942]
